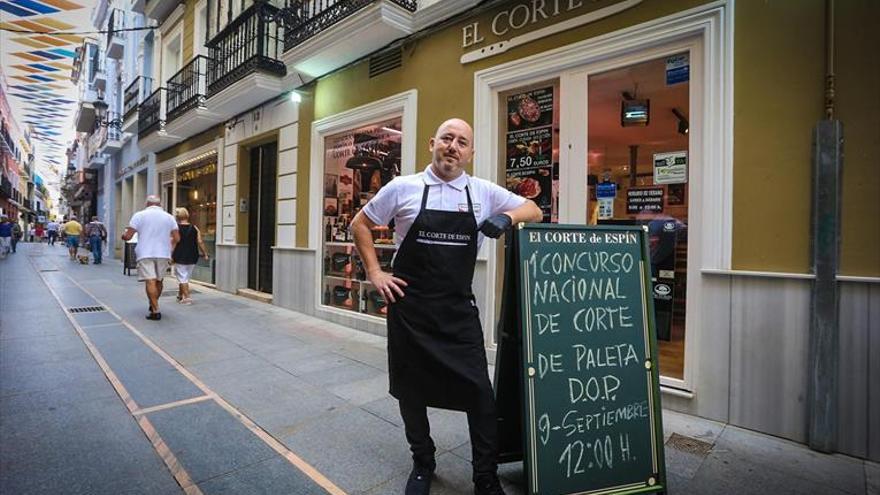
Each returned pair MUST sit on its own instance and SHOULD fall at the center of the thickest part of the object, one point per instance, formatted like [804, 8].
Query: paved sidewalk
[251, 398]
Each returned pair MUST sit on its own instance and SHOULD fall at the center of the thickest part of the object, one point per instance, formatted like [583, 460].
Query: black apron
[436, 353]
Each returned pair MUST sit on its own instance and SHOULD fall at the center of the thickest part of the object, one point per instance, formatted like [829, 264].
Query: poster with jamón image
[535, 183]
[529, 148]
[530, 109]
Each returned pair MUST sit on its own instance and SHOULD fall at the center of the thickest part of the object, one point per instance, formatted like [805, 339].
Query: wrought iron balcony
[187, 89]
[307, 18]
[151, 114]
[250, 43]
[134, 94]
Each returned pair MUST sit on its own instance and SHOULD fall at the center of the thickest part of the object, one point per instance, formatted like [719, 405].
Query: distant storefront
[187, 176]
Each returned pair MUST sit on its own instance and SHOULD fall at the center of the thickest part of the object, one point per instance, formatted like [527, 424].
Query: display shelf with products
[357, 164]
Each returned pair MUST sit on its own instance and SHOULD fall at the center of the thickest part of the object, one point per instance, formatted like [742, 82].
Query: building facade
[16, 166]
[275, 122]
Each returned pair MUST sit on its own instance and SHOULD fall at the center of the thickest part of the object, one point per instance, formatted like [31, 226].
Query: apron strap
[424, 198]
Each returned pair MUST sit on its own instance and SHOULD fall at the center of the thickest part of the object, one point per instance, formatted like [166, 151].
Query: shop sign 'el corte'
[516, 25]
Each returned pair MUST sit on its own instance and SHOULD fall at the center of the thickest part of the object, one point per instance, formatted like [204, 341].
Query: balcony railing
[114, 133]
[187, 88]
[115, 26]
[150, 115]
[248, 44]
[315, 16]
[135, 93]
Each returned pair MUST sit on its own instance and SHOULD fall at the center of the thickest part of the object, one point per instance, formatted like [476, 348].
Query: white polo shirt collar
[459, 183]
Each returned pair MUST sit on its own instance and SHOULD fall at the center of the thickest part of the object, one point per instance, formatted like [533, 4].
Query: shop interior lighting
[392, 130]
[295, 96]
[683, 125]
[363, 161]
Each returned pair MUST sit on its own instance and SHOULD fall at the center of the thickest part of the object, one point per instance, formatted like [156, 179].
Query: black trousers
[482, 425]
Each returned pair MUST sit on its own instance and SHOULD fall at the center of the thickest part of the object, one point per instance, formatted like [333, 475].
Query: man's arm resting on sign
[526, 212]
[388, 285]
[496, 225]
[128, 234]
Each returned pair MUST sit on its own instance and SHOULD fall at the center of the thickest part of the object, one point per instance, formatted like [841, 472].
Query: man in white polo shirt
[436, 353]
[157, 236]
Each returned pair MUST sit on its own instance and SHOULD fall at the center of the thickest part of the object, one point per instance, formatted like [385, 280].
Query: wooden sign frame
[518, 426]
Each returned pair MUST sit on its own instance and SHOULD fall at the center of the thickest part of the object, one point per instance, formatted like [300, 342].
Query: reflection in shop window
[357, 164]
[638, 173]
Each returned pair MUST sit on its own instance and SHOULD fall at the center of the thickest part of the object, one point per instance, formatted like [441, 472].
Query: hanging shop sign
[529, 140]
[196, 172]
[517, 24]
[670, 168]
[644, 200]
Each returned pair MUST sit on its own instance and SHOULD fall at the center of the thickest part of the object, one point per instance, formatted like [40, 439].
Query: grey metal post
[824, 308]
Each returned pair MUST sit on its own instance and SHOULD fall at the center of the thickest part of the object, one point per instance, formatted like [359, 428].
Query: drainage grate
[87, 309]
[49, 270]
[689, 445]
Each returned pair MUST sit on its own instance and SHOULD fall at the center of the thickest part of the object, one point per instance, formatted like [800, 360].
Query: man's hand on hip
[387, 284]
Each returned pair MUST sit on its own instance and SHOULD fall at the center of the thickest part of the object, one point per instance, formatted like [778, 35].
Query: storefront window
[357, 164]
[638, 175]
[197, 192]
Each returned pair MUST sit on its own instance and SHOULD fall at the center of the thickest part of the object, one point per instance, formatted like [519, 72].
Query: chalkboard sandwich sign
[590, 397]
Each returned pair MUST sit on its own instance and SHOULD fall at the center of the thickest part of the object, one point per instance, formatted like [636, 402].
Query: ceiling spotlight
[683, 125]
[295, 96]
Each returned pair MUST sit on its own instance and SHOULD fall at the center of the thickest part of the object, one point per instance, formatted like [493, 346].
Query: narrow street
[235, 396]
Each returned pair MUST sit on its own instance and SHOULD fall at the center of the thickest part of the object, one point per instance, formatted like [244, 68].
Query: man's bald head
[451, 148]
[456, 122]
[153, 200]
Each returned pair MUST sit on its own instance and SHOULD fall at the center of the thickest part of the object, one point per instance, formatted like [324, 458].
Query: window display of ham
[357, 164]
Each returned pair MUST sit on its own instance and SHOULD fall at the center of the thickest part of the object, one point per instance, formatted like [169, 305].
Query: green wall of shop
[778, 97]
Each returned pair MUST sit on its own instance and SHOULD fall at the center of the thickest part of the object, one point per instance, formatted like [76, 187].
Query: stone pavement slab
[271, 477]
[373, 451]
[208, 441]
[872, 475]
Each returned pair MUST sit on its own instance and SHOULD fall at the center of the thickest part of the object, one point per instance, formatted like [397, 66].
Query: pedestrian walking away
[16, 235]
[96, 234]
[52, 232]
[72, 230]
[436, 352]
[186, 253]
[5, 236]
[157, 237]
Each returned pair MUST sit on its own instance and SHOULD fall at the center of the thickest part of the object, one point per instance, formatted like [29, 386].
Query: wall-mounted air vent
[385, 61]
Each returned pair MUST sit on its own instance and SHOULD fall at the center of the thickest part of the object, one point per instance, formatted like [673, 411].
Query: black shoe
[488, 485]
[419, 482]
[154, 316]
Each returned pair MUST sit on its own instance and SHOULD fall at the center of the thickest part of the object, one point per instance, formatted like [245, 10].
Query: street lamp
[101, 115]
